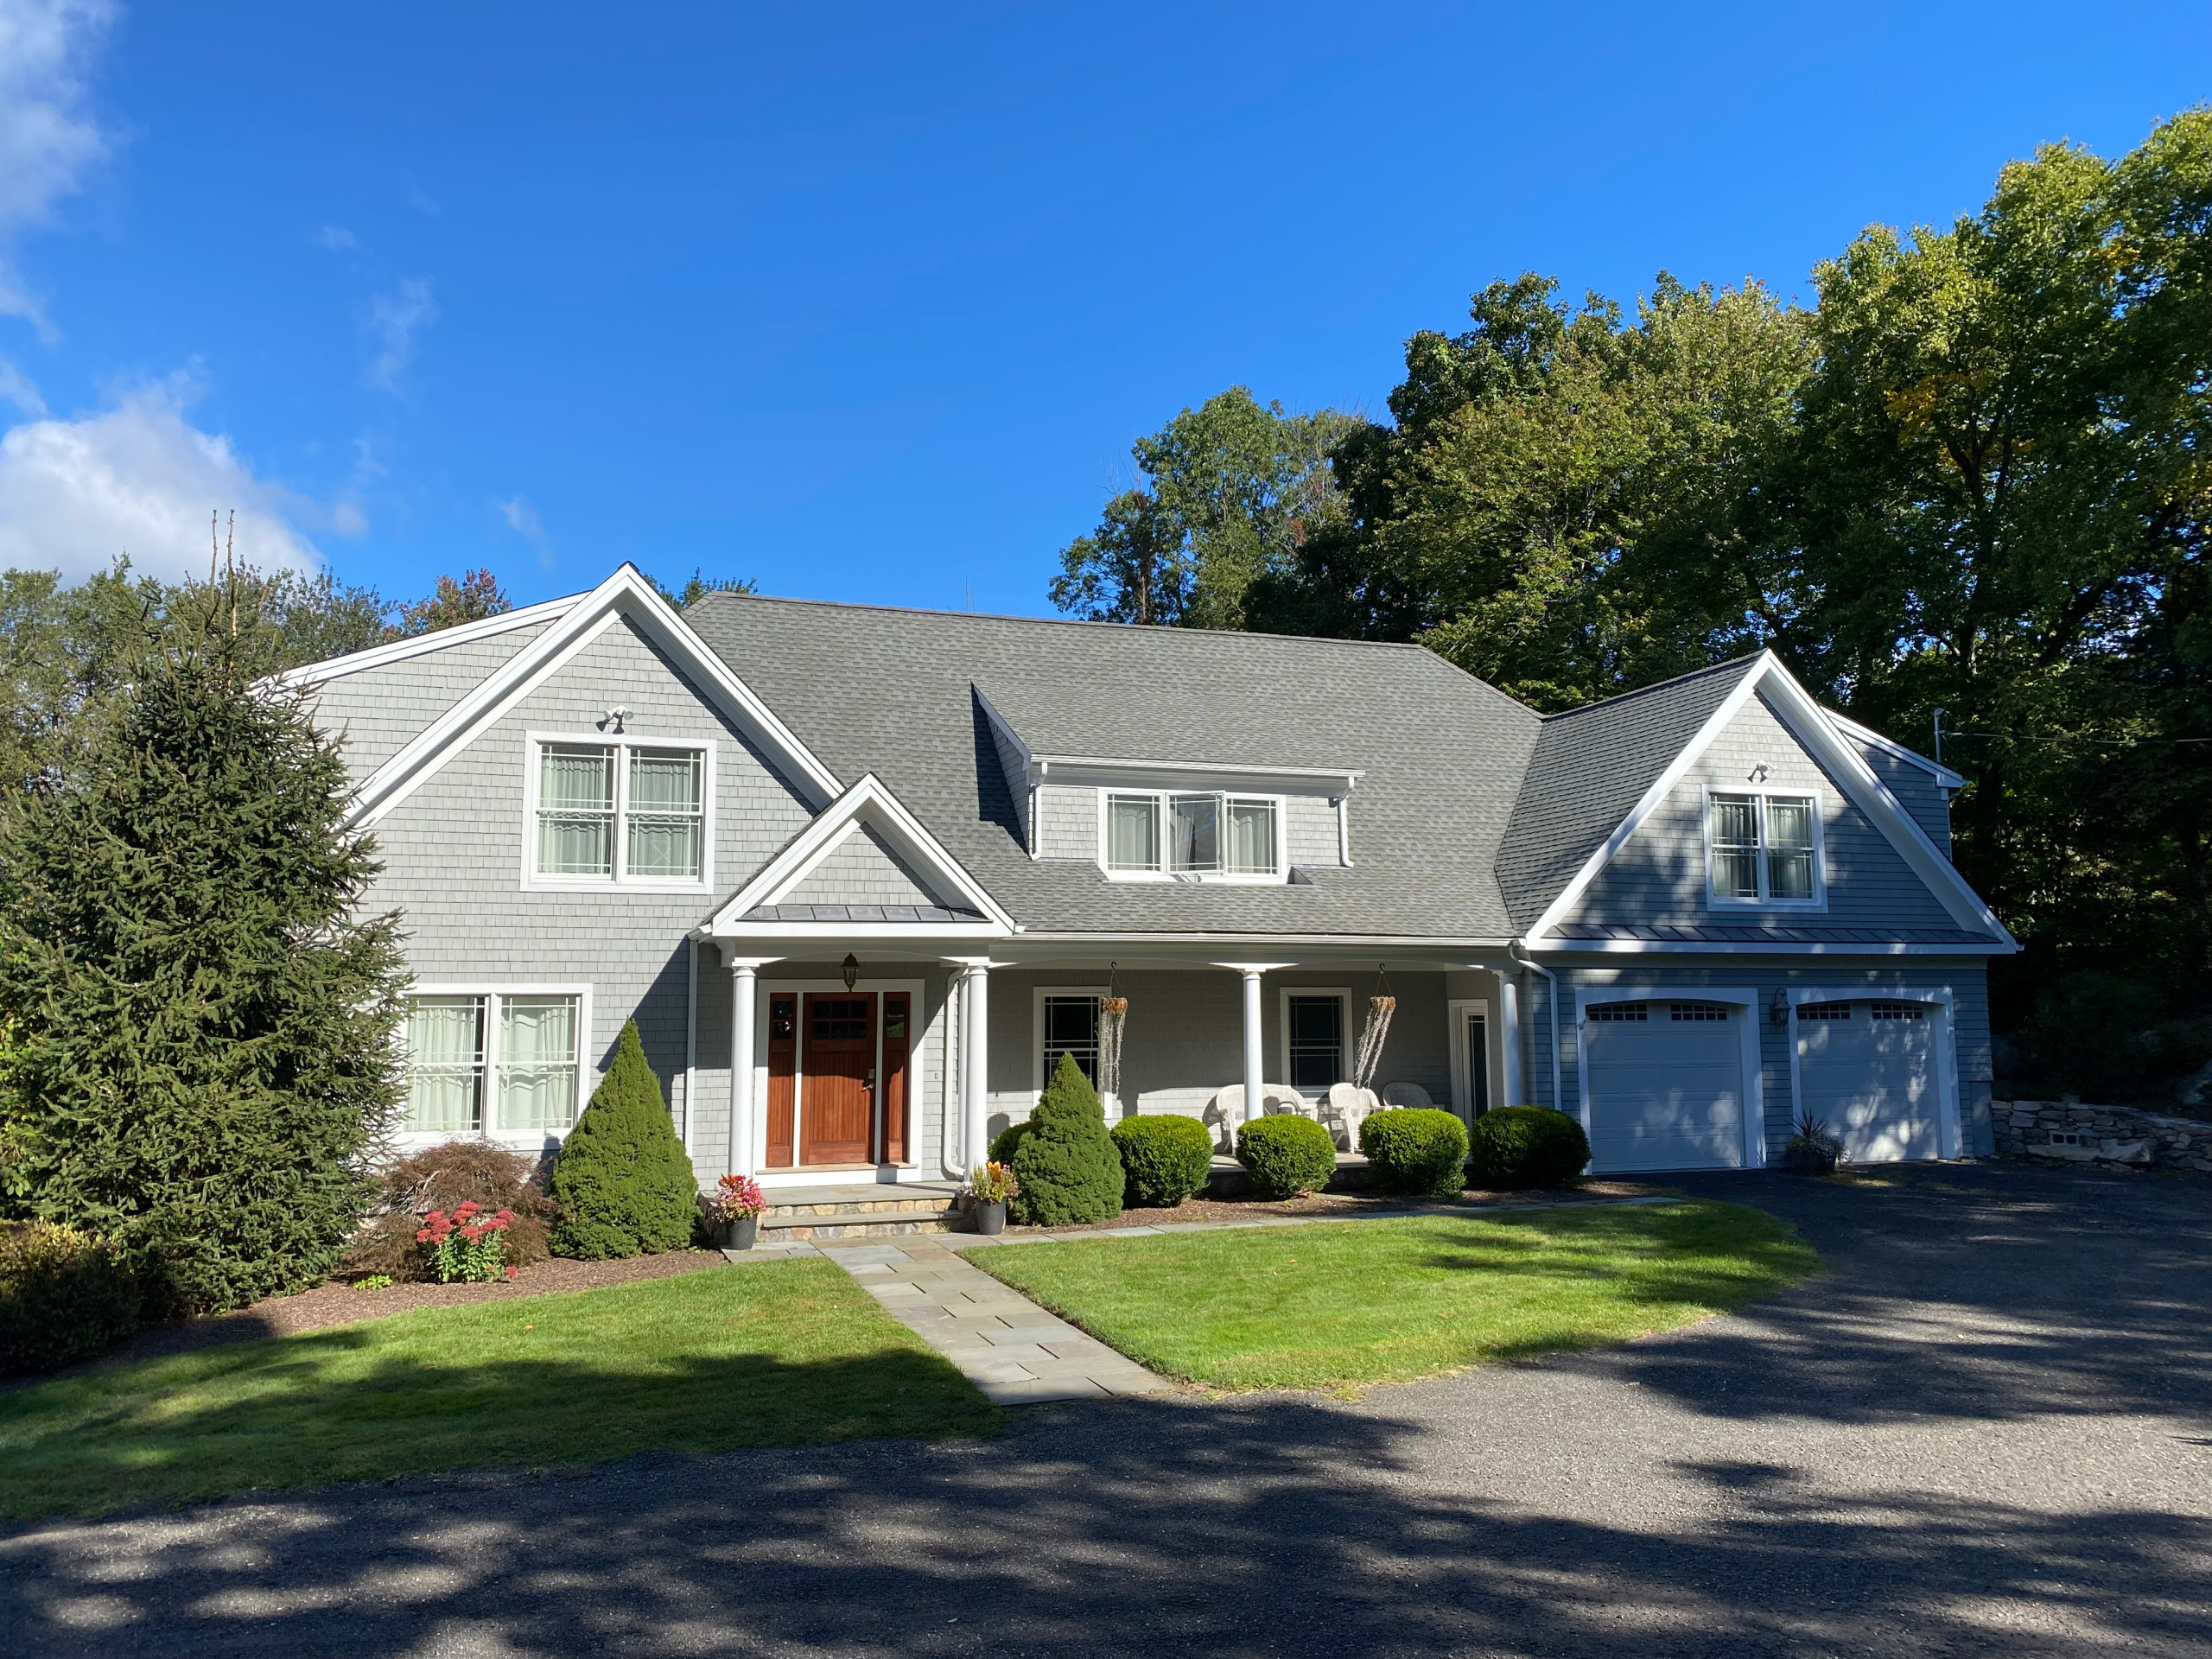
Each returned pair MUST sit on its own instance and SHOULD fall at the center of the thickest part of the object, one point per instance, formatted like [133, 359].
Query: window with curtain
[1762, 848]
[1070, 1027]
[665, 817]
[492, 1063]
[1192, 834]
[445, 1065]
[621, 812]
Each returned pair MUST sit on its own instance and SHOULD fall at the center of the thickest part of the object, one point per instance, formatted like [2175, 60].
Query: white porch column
[744, 1006]
[1253, 1068]
[1508, 1019]
[975, 1067]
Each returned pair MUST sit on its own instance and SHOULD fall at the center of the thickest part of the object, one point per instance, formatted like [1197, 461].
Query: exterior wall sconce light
[853, 969]
[1778, 1010]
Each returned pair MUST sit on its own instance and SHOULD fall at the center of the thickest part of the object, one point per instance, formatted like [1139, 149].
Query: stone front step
[827, 1213]
[820, 1232]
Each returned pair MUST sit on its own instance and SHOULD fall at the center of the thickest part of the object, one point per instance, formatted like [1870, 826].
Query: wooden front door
[837, 1078]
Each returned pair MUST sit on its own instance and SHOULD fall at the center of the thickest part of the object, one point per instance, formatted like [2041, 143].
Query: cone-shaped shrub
[1066, 1164]
[622, 1181]
[1165, 1159]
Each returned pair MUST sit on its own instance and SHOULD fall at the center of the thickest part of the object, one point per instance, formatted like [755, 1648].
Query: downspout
[1521, 957]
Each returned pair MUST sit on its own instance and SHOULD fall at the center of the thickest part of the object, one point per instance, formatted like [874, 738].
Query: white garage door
[1867, 1070]
[1666, 1084]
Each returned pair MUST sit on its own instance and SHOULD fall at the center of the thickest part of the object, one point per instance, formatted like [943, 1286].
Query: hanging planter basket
[1380, 1008]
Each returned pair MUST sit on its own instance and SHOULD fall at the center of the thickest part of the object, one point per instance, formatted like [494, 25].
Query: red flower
[471, 1233]
[423, 1237]
[468, 1207]
[512, 1271]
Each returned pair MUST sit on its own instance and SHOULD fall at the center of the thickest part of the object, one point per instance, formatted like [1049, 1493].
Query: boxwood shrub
[64, 1296]
[1287, 1155]
[1416, 1150]
[1164, 1158]
[1526, 1145]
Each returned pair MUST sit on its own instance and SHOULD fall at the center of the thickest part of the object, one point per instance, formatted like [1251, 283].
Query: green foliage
[621, 1181]
[1236, 489]
[444, 1178]
[1287, 1155]
[202, 1064]
[476, 595]
[1517, 1147]
[1066, 1164]
[64, 1296]
[699, 586]
[1416, 1151]
[1007, 1139]
[1165, 1159]
[2096, 1036]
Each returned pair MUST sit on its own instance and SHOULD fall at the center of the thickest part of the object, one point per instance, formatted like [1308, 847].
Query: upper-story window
[1194, 836]
[621, 812]
[1763, 849]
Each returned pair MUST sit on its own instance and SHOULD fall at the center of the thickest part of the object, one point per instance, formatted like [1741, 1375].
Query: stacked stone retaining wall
[2065, 1133]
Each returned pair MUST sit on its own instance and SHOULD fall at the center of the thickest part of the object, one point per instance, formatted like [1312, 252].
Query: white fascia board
[626, 593]
[893, 933]
[1834, 948]
[1392, 946]
[1942, 774]
[421, 645]
[1094, 771]
[1809, 724]
[867, 802]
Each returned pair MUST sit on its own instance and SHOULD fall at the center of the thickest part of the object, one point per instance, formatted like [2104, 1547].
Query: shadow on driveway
[1985, 1430]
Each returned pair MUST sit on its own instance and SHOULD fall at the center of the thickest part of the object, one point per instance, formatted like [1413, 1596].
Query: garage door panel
[1867, 1068]
[1665, 1093]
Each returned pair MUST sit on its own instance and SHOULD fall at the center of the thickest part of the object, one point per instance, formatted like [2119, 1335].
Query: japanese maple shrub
[202, 1068]
[443, 1177]
[622, 1181]
[1066, 1166]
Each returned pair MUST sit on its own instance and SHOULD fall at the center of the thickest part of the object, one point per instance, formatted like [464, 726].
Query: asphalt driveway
[1989, 1429]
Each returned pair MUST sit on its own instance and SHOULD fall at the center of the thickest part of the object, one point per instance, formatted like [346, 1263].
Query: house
[862, 875]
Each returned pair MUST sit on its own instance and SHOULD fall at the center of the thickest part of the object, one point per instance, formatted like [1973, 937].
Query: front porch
[888, 1069]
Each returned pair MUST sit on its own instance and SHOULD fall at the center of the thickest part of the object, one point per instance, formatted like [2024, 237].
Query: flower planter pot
[989, 1217]
[741, 1234]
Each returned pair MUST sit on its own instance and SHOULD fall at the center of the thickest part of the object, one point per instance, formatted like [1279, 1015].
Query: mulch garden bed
[1343, 1203]
[336, 1304]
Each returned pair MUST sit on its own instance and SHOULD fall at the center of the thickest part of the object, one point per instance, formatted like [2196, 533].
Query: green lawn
[1338, 1305]
[767, 1355]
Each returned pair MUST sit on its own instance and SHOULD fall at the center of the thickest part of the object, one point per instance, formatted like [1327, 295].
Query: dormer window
[1176, 835]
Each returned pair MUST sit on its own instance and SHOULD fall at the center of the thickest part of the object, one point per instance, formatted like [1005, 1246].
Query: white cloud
[523, 520]
[336, 238]
[17, 387]
[47, 138]
[421, 200]
[138, 478]
[393, 320]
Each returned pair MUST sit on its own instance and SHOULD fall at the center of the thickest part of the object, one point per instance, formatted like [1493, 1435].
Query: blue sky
[868, 302]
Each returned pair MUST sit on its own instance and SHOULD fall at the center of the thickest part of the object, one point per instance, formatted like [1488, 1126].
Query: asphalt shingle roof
[893, 692]
[1591, 765]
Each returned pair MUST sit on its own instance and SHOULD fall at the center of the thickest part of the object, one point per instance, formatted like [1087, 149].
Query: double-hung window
[1070, 1027]
[492, 1062]
[1194, 836]
[1763, 848]
[621, 812]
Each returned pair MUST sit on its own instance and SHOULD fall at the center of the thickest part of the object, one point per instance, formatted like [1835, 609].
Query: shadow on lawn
[1277, 1526]
[1284, 1525]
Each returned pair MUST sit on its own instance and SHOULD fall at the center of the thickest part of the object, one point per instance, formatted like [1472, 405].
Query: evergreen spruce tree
[1067, 1164]
[622, 1180]
[201, 1064]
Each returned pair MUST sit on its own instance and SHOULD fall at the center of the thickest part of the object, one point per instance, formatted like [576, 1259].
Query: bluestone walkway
[1004, 1343]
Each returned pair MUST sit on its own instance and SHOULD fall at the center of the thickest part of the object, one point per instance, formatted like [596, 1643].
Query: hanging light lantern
[852, 969]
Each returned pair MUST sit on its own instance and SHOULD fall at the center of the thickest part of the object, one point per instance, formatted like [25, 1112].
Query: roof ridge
[1060, 621]
[1657, 685]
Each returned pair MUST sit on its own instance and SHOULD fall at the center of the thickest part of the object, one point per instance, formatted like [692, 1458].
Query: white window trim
[1218, 878]
[520, 1139]
[534, 881]
[1037, 995]
[1715, 899]
[1347, 1040]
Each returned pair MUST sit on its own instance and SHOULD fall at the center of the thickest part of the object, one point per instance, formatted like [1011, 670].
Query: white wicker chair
[1224, 1116]
[1407, 1095]
[1280, 1099]
[1347, 1104]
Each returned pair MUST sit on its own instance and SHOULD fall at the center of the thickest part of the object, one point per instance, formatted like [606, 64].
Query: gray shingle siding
[453, 856]
[1659, 874]
[381, 709]
[1915, 789]
[1067, 822]
[1014, 776]
[861, 870]
[1310, 831]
